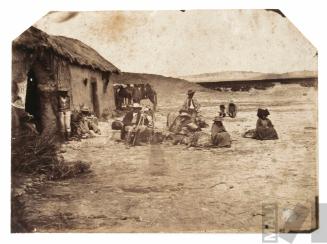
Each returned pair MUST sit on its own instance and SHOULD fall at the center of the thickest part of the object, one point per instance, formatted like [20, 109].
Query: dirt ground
[166, 188]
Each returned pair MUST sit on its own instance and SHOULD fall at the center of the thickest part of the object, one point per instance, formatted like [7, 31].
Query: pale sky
[175, 43]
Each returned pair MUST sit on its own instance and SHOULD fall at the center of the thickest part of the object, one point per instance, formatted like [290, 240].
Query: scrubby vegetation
[35, 154]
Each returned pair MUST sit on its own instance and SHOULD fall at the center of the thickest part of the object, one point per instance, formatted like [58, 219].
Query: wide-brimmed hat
[189, 92]
[217, 118]
[85, 108]
[136, 105]
[184, 114]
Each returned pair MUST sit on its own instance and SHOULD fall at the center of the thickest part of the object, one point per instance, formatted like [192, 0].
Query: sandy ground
[173, 188]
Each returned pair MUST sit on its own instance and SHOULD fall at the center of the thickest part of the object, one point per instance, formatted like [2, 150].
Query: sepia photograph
[166, 121]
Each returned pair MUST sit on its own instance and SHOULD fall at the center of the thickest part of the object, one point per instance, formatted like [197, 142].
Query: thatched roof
[73, 50]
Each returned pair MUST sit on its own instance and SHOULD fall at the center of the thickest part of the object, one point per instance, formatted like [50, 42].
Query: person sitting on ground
[145, 131]
[264, 128]
[93, 123]
[137, 126]
[182, 137]
[182, 120]
[130, 120]
[86, 127]
[232, 109]
[148, 113]
[183, 128]
[219, 135]
[222, 112]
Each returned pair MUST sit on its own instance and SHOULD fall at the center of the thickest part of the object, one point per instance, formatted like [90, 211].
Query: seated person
[264, 129]
[232, 109]
[182, 137]
[182, 120]
[222, 112]
[219, 135]
[148, 113]
[93, 125]
[86, 126]
[136, 126]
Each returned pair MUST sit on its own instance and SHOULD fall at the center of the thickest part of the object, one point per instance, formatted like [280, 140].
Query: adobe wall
[81, 79]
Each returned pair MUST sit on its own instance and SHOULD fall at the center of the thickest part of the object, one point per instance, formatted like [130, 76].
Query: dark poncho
[265, 130]
[219, 136]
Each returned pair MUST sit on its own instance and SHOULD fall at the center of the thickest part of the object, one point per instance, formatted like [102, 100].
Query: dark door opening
[33, 102]
[95, 99]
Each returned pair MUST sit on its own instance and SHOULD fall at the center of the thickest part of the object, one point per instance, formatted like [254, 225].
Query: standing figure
[128, 90]
[119, 99]
[191, 105]
[137, 94]
[64, 113]
[219, 135]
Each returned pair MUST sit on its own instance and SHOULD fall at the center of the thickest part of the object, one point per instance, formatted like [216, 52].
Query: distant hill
[162, 84]
[247, 75]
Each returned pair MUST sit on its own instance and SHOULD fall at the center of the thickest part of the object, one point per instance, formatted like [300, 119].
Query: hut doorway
[94, 98]
[32, 101]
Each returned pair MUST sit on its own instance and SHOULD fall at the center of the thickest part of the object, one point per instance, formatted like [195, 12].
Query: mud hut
[42, 64]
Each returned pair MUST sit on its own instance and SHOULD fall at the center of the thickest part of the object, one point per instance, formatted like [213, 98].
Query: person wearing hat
[148, 113]
[191, 105]
[182, 120]
[64, 113]
[91, 120]
[219, 136]
[86, 124]
[264, 128]
[130, 121]
[133, 116]
[82, 127]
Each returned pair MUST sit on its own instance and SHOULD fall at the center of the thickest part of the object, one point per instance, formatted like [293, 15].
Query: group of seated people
[186, 128]
[231, 110]
[186, 131]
